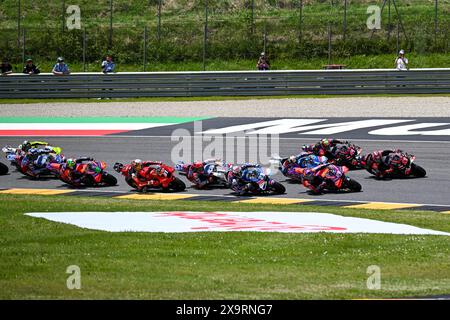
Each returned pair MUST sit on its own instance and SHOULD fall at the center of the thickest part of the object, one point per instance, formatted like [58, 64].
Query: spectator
[108, 66]
[401, 62]
[5, 67]
[30, 68]
[263, 62]
[60, 68]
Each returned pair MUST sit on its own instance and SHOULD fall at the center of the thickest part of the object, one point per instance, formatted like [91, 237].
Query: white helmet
[402, 52]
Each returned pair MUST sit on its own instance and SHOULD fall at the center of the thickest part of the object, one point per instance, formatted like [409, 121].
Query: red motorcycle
[160, 176]
[393, 164]
[90, 174]
[328, 177]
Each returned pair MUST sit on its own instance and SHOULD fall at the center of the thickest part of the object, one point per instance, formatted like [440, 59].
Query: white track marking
[406, 130]
[81, 126]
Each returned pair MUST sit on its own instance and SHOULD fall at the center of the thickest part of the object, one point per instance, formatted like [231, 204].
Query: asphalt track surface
[431, 190]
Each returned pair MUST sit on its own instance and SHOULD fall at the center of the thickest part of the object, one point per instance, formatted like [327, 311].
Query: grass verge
[34, 255]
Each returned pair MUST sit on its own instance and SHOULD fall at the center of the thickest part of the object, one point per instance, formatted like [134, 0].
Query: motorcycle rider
[146, 173]
[383, 163]
[323, 147]
[240, 177]
[75, 174]
[198, 172]
[318, 178]
[35, 160]
[302, 160]
[26, 145]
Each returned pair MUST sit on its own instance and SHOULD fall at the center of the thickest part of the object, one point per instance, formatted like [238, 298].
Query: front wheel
[354, 185]
[3, 169]
[277, 187]
[109, 180]
[177, 185]
[418, 171]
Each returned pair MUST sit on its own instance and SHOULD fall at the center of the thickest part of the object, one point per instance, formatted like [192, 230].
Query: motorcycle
[305, 160]
[216, 172]
[39, 168]
[256, 182]
[3, 169]
[398, 164]
[165, 181]
[348, 155]
[341, 154]
[13, 156]
[329, 177]
[92, 173]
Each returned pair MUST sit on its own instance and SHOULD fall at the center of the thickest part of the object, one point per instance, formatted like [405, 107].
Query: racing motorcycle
[254, 180]
[166, 180]
[342, 154]
[37, 165]
[304, 160]
[92, 173]
[328, 177]
[348, 155]
[3, 169]
[215, 172]
[396, 164]
[13, 156]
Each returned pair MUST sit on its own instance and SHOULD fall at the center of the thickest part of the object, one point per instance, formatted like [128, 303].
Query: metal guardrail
[230, 83]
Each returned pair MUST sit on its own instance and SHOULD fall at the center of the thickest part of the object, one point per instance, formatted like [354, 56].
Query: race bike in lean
[393, 164]
[288, 165]
[254, 180]
[328, 177]
[215, 173]
[89, 174]
[165, 179]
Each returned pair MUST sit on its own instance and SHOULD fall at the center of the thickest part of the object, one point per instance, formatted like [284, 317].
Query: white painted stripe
[406, 130]
[283, 126]
[81, 126]
[286, 222]
[333, 128]
[274, 126]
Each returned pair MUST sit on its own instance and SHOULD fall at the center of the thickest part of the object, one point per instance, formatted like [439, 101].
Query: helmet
[137, 164]
[60, 59]
[70, 163]
[402, 52]
[97, 169]
[197, 165]
[236, 170]
[325, 142]
[26, 145]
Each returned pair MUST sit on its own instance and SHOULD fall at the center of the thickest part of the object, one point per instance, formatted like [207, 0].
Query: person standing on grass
[60, 68]
[401, 63]
[30, 68]
[108, 66]
[263, 62]
[5, 67]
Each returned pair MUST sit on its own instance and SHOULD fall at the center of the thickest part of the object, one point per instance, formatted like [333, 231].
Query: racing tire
[278, 187]
[418, 171]
[109, 180]
[354, 185]
[3, 169]
[177, 185]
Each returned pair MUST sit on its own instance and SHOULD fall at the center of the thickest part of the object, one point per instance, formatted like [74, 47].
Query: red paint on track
[58, 133]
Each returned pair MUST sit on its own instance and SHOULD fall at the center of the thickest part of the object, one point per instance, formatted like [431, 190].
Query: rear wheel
[418, 171]
[278, 187]
[3, 169]
[354, 185]
[177, 185]
[109, 179]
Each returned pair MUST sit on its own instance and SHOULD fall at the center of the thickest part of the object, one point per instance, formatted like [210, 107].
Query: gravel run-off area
[298, 107]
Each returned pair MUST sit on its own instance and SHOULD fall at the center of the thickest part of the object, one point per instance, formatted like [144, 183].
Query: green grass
[34, 255]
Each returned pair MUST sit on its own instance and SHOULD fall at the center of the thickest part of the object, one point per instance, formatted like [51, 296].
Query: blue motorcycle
[252, 179]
